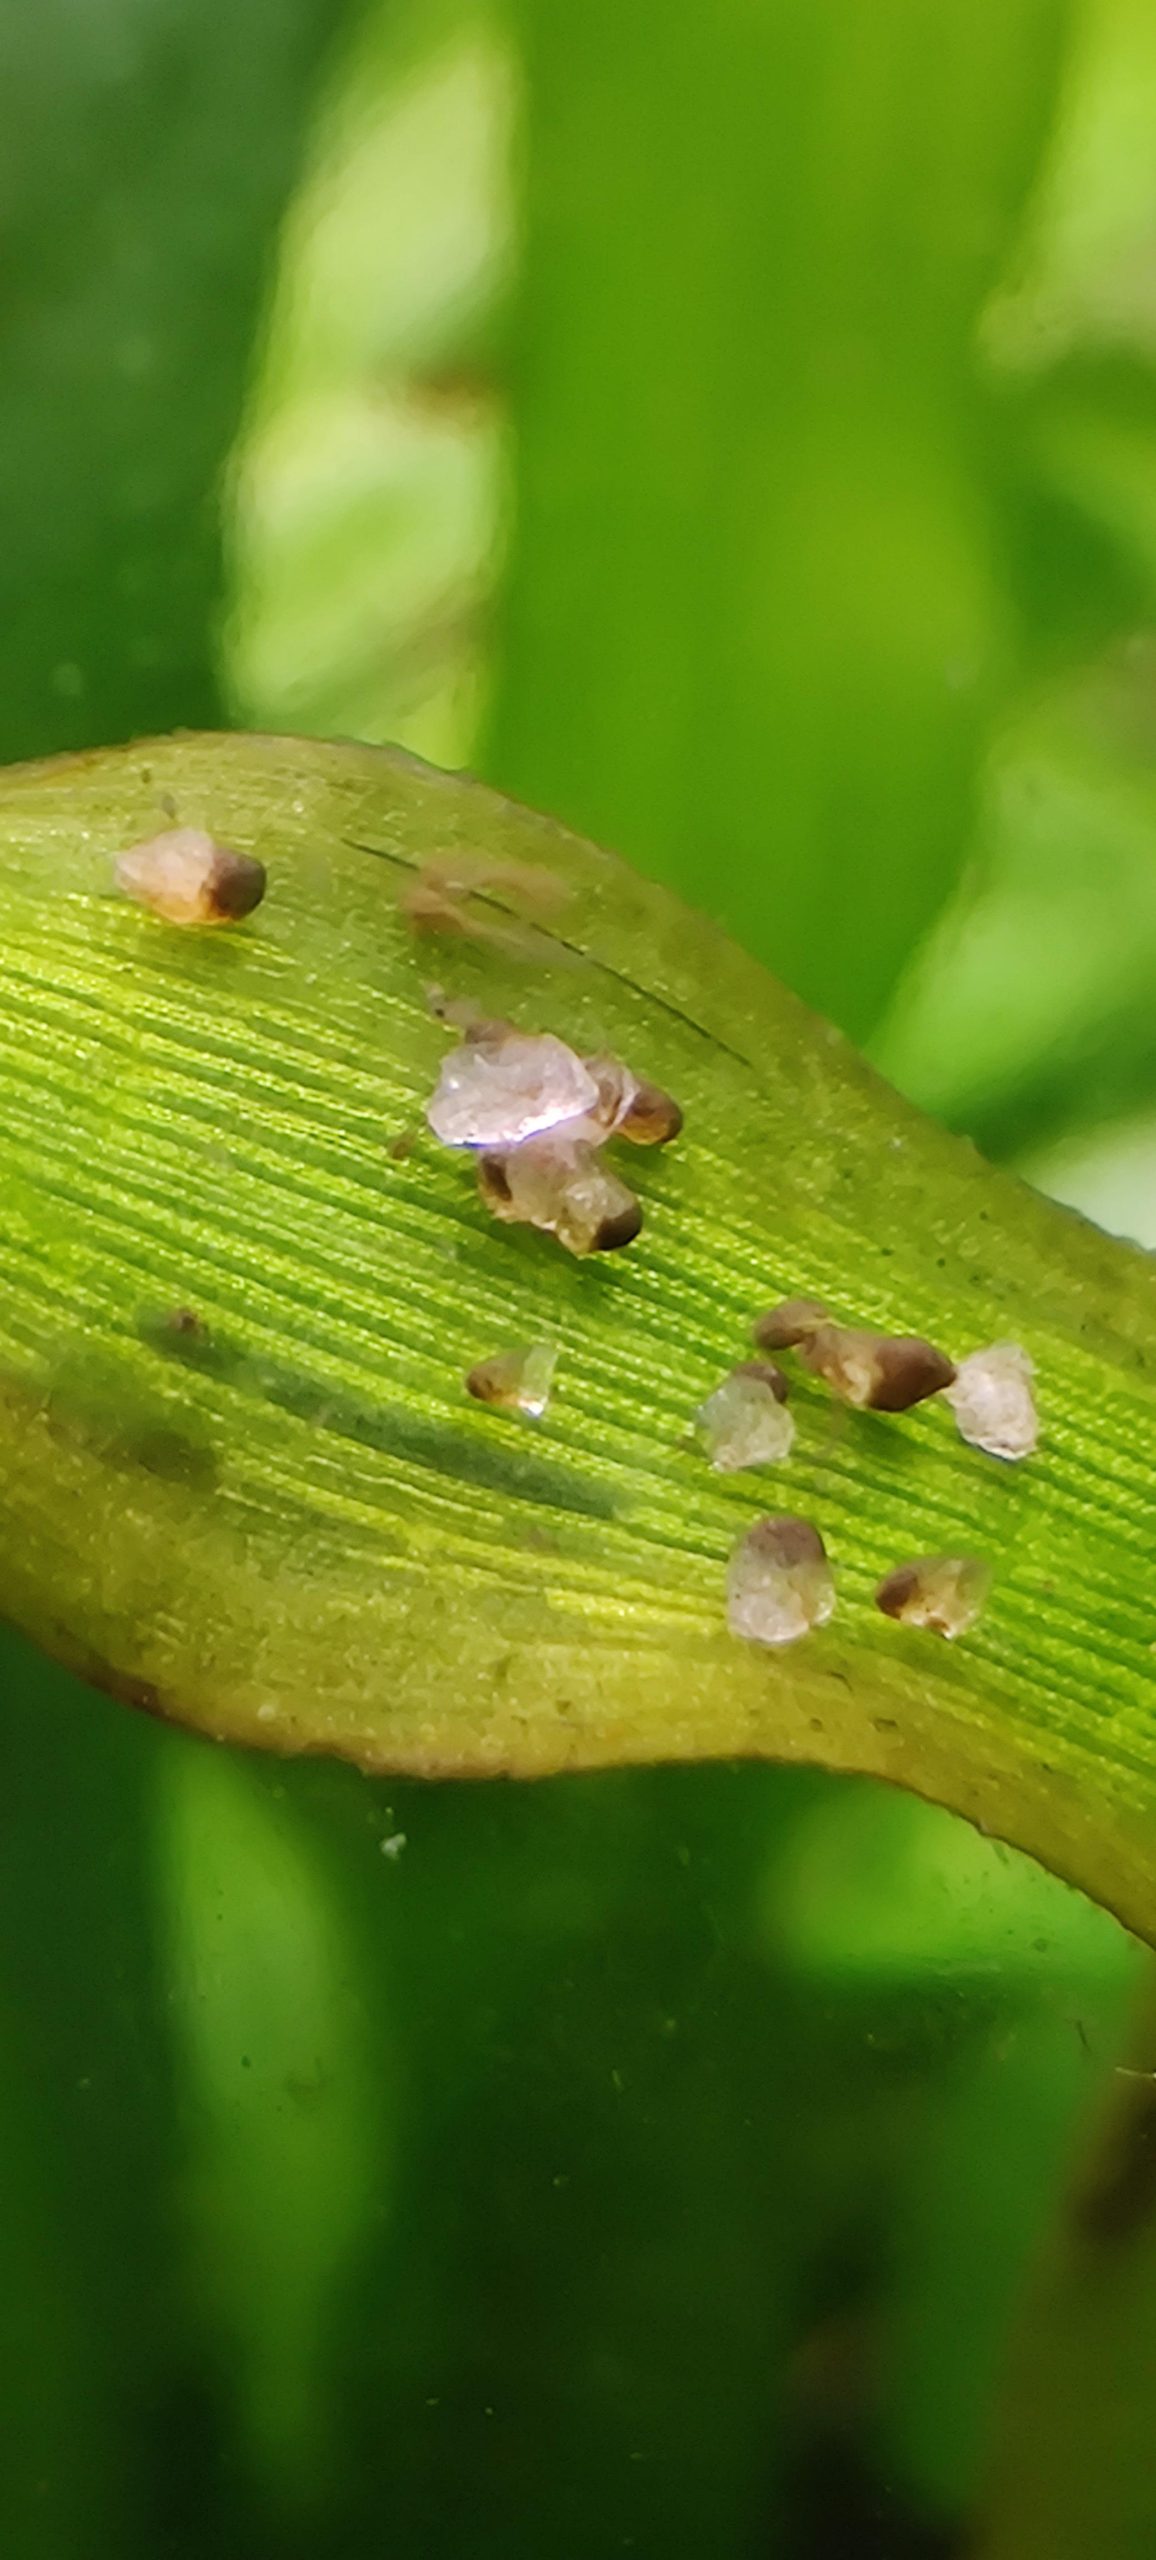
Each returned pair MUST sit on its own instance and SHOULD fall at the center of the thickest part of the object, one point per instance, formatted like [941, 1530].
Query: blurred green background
[735, 431]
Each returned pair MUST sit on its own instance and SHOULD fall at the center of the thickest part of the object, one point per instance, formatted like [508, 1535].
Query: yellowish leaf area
[242, 1482]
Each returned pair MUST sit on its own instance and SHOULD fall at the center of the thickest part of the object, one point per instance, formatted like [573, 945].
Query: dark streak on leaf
[389, 1428]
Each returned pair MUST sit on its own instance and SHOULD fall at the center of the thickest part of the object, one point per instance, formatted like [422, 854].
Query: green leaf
[756, 457]
[147, 154]
[1069, 2465]
[1028, 1013]
[367, 488]
[291, 1527]
[90, 2331]
[289, 2178]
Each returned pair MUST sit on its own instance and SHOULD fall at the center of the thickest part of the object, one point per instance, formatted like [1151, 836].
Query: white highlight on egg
[495, 1092]
[991, 1398]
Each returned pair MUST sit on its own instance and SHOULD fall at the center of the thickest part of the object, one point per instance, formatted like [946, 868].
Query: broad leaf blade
[291, 1527]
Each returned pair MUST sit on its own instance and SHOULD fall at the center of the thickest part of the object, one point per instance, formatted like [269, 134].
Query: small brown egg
[597, 1213]
[883, 1373]
[186, 878]
[562, 1186]
[517, 1381]
[944, 1594]
[653, 1117]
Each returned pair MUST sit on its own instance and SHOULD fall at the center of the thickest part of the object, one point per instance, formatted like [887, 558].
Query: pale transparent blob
[526, 1185]
[779, 1583]
[517, 1381]
[561, 1185]
[992, 1401]
[495, 1093]
[944, 1594]
[744, 1424]
[597, 1212]
[294, 2143]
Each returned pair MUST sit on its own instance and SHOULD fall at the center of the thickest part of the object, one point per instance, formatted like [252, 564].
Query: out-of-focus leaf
[753, 451]
[1029, 1012]
[1083, 279]
[971, 2221]
[277, 2102]
[600, 2147]
[365, 495]
[285, 1521]
[54, 2489]
[103, 2417]
[875, 1890]
[1072, 2468]
[146, 150]
[1109, 1176]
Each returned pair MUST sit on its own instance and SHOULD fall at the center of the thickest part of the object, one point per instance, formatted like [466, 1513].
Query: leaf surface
[287, 1524]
